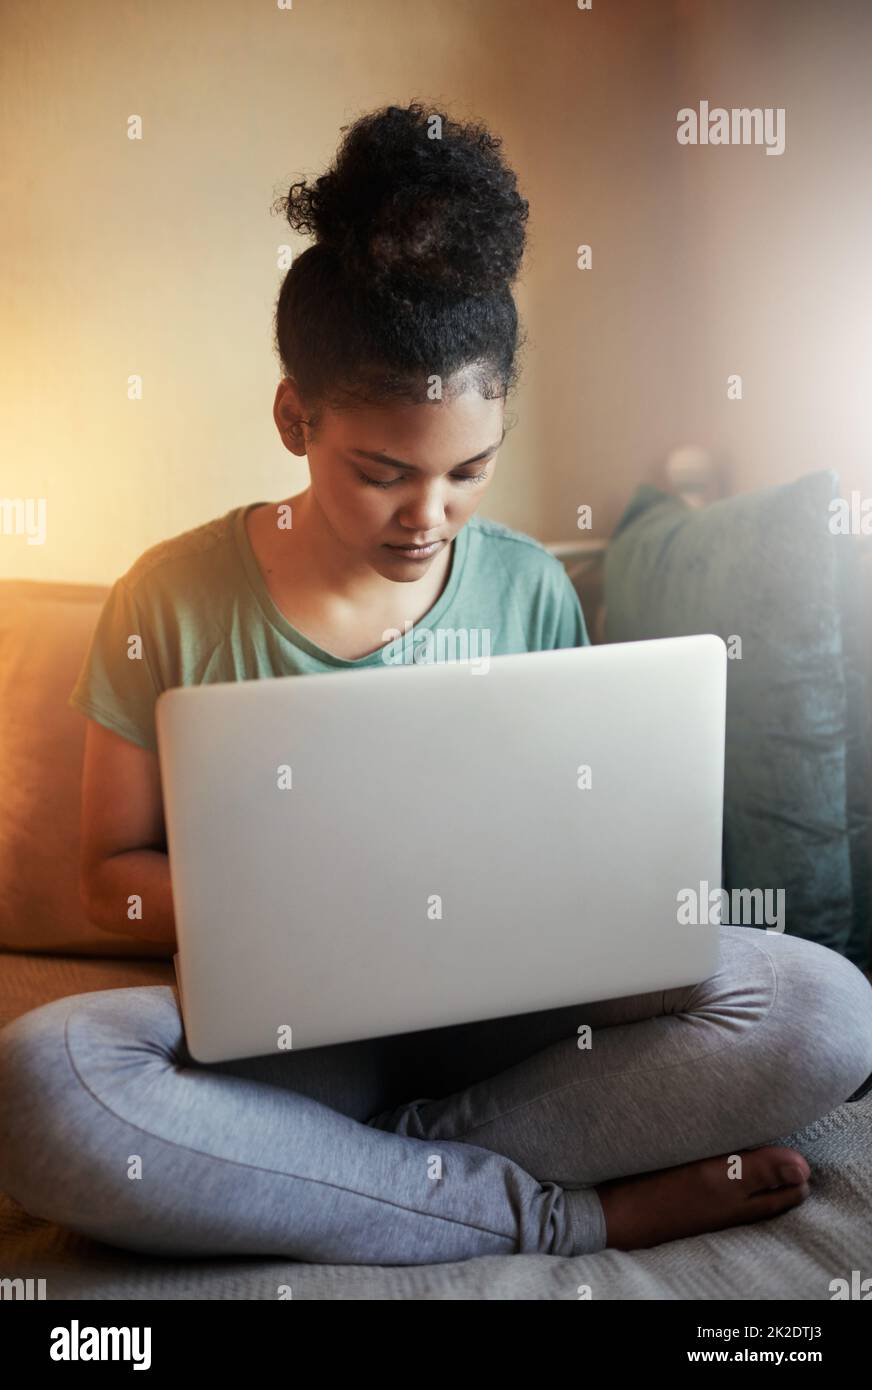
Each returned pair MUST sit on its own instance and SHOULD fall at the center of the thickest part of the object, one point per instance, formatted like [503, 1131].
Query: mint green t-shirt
[204, 614]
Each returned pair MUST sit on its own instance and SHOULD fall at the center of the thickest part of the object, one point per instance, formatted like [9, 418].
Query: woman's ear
[288, 416]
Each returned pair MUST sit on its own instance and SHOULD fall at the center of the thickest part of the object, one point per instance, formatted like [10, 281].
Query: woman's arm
[123, 845]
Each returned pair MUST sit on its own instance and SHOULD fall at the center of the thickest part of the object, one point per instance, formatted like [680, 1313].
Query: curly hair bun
[416, 204]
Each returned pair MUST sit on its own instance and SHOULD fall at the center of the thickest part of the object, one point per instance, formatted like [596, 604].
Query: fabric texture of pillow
[765, 567]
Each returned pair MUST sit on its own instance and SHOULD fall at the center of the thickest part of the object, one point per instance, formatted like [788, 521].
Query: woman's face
[391, 476]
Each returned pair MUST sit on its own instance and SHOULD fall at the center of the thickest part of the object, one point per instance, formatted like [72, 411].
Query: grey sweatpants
[478, 1139]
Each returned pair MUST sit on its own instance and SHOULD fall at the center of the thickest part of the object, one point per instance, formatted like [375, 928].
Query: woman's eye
[375, 482]
[457, 478]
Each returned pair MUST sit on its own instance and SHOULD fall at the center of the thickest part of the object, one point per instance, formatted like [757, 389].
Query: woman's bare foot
[685, 1201]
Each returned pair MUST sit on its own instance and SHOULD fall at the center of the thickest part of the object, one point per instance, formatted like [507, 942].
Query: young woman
[398, 336]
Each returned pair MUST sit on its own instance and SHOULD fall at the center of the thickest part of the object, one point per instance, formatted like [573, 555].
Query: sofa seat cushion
[26, 981]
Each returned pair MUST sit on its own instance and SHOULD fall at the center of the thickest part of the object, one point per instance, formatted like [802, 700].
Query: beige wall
[781, 245]
[158, 257]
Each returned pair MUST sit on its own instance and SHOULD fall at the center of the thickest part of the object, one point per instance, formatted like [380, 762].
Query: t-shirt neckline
[276, 618]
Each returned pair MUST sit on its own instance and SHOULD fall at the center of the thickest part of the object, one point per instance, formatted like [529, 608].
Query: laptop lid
[360, 854]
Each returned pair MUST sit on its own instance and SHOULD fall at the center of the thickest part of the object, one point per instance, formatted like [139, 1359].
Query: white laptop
[364, 853]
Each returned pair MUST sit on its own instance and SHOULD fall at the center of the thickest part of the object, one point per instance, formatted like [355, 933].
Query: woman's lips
[416, 552]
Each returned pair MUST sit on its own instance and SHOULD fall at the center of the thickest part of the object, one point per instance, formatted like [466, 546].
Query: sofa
[48, 950]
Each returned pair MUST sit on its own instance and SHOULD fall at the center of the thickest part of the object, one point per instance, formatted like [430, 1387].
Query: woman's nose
[425, 513]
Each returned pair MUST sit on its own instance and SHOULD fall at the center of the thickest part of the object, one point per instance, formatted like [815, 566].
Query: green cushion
[766, 568]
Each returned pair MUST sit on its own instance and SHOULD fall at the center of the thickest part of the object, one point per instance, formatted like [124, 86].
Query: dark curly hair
[420, 232]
